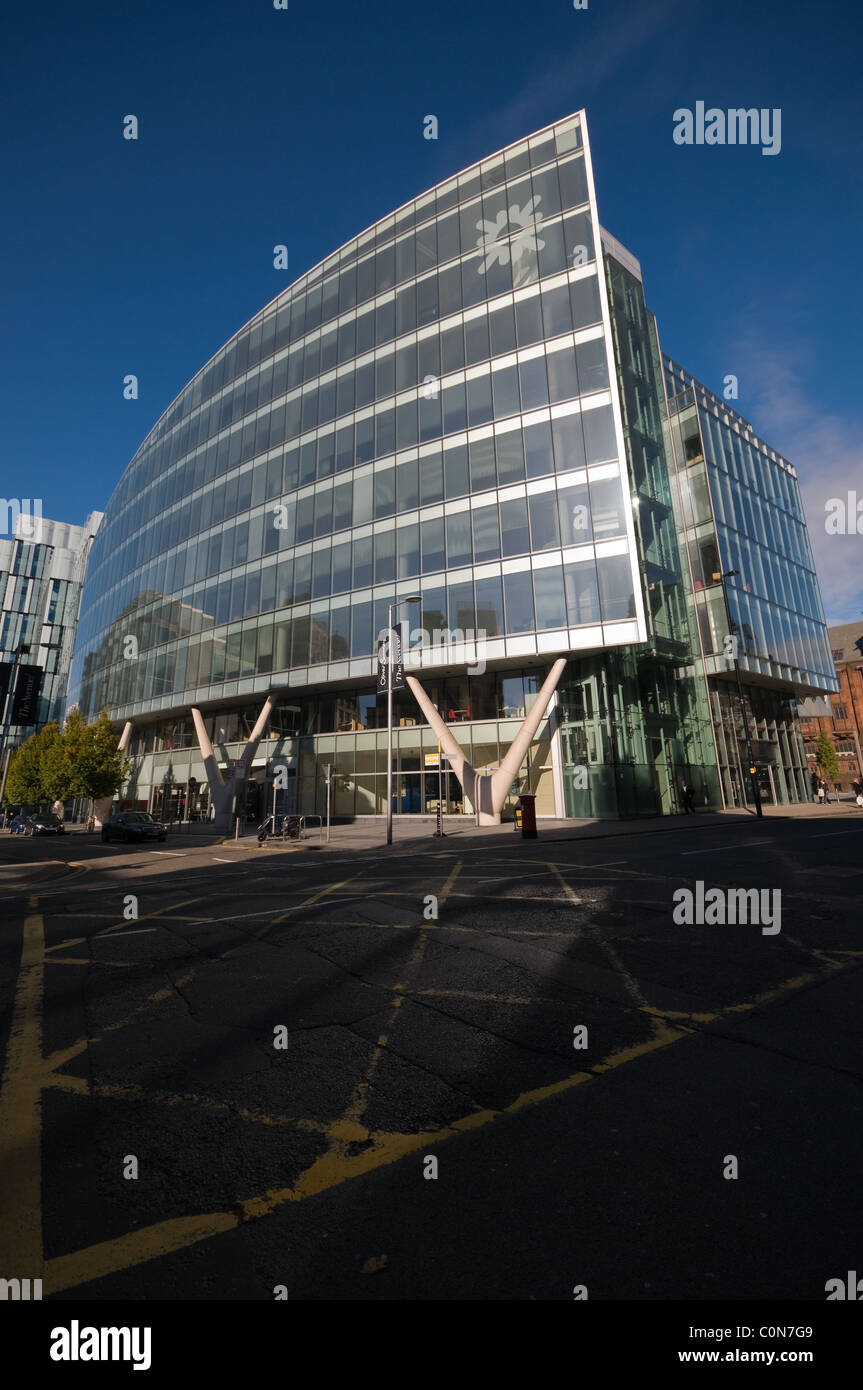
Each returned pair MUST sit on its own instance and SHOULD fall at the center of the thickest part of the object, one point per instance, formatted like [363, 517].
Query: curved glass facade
[431, 408]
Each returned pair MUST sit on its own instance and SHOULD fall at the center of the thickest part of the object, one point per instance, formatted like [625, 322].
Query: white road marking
[138, 931]
[720, 849]
[828, 835]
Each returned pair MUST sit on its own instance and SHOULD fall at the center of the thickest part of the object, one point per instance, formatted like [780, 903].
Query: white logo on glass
[498, 243]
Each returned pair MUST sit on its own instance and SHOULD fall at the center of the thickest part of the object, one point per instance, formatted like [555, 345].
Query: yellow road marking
[21, 1114]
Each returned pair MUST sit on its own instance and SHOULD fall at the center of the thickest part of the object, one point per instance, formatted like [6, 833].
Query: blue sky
[303, 126]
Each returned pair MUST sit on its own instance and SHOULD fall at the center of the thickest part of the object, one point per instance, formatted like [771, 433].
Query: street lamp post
[409, 598]
[756, 791]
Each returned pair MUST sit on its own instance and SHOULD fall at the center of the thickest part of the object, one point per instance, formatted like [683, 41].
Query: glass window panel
[592, 366]
[428, 359]
[509, 448]
[433, 557]
[345, 448]
[582, 594]
[458, 546]
[302, 578]
[550, 599]
[362, 563]
[476, 340]
[533, 383]
[406, 367]
[426, 247]
[366, 330]
[406, 424]
[343, 504]
[324, 512]
[268, 589]
[482, 472]
[599, 439]
[574, 508]
[385, 492]
[543, 521]
[430, 413]
[568, 440]
[341, 579]
[449, 290]
[486, 537]
[321, 573]
[505, 389]
[431, 479]
[479, 410]
[285, 582]
[462, 613]
[607, 508]
[539, 458]
[452, 349]
[489, 606]
[408, 550]
[305, 518]
[385, 556]
[454, 410]
[552, 256]
[615, 587]
[340, 633]
[405, 258]
[456, 471]
[518, 602]
[407, 485]
[502, 330]
[363, 499]
[573, 182]
[427, 302]
[578, 238]
[365, 440]
[584, 299]
[528, 321]
[563, 380]
[514, 527]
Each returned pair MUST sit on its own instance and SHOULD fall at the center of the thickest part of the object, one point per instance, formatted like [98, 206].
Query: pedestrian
[822, 793]
[688, 803]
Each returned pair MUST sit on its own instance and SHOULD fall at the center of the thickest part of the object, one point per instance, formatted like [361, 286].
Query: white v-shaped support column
[223, 792]
[488, 791]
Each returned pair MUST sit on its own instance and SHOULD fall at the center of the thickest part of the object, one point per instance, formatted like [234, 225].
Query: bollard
[528, 816]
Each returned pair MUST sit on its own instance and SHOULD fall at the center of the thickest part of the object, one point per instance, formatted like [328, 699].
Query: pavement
[477, 1068]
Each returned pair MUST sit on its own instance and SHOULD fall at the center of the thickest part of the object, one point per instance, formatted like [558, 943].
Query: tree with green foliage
[93, 765]
[82, 761]
[33, 770]
[827, 760]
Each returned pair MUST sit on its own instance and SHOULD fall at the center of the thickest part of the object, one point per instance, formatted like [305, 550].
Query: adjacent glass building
[465, 402]
[762, 635]
[42, 566]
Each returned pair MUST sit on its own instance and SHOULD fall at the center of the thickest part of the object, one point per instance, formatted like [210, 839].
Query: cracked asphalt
[508, 1072]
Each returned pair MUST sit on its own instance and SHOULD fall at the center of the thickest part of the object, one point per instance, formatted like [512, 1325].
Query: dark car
[18, 824]
[133, 826]
[47, 824]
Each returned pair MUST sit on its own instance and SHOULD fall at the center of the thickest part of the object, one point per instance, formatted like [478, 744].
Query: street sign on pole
[390, 649]
[25, 702]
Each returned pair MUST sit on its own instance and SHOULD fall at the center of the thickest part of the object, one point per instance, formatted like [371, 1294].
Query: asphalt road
[431, 1130]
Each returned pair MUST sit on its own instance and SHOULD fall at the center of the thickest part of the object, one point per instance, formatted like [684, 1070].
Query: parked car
[43, 823]
[133, 827]
[18, 824]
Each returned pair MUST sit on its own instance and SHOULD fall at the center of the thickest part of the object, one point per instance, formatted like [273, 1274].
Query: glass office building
[42, 566]
[763, 638]
[465, 403]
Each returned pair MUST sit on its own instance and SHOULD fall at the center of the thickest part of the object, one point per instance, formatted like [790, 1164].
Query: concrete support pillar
[223, 792]
[488, 791]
